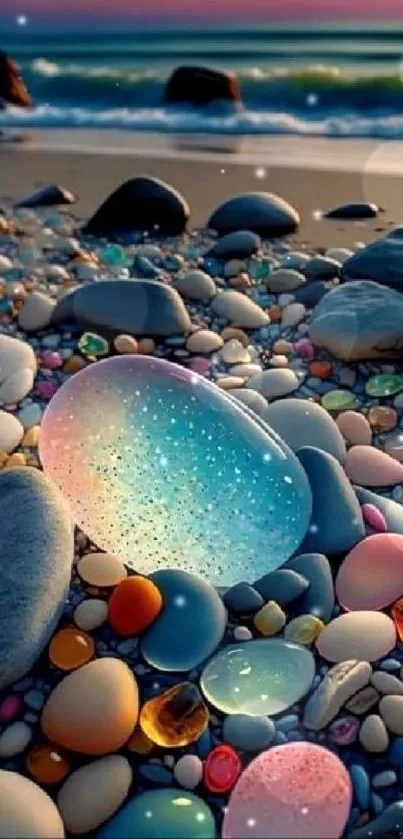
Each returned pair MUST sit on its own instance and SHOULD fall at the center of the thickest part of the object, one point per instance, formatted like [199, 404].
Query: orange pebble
[47, 765]
[139, 743]
[321, 369]
[274, 313]
[71, 648]
[134, 605]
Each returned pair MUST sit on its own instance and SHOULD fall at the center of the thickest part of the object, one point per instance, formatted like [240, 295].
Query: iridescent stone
[339, 400]
[92, 345]
[221, 770]
[176, 718]
[263, 677]
[161, 814]
[384, 384]
[290, 792]
[234, 491]
[344, 730]
[114, 255]
[260, 269]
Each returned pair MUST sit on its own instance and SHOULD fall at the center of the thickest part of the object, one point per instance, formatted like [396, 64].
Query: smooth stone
[242, 599]
[374, 518]
[296, 260]
[234, 352]
[321, 268]
[359, 321]
[389, 823]
[283, 586]
[267, 215]
[133, 307]
[94, 709]
[311, 293]
[384, 779]
[393, 446]
[263, 677]
[373, 735]
[300, 422]
[380, 261]
[93, 793]
[90, 614]
[36, 312]
[303, 629]
[359, 585]
[391, 510]
[139, 506]
[48, 196]
[339, 254]
[26, 810]
[251, 398]
[372, 467]
[11, 432]
[293, 790]
[101, 570]
[190, 626]
[387, 684]
[318, 600]
[188, 771]
[238, 245]
[363, 701]
[196, 285]
[391, 711]
[284, 279]
[365, 635]
[384, 384]
[270, 619]
[37, 538]
[274, 383]
[361, 785]
[340, 683]
[246, 370]
[292, 315]
[204, 341]
[140, 204]
[239, 310]
[336, 522]
[17, 369]
[339, 400]
[15, 739]
[248, 734]
[242, 633]
[353, 211]
[355, 428]
[161, 814]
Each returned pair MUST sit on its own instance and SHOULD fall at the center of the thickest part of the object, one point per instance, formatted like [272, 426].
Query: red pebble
[221, 770]
[10, 707]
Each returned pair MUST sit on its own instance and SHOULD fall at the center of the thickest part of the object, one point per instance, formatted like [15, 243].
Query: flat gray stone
[360, 321]
[196, 285]
[381, 261]
[340, 683]
[284, 279]
[130, 307]
[37, 548]
[303, 423]
[266, 214]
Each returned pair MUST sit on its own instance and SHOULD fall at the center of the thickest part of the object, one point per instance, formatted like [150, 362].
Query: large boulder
[129, 307]
[141, 205]
[359, 321]
[382, 261]
[261, 212]
[36, 550]
[12, 86]
[200, 86]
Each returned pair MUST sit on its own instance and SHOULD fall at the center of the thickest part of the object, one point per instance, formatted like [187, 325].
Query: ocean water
[344, 82]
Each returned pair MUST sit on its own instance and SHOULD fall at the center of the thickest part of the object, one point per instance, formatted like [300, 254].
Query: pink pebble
[370, 467]
[51, 360]
[371, 576]
[290, 792]
[46, 389]
[374, 518]
[304, 348]
[200, 366]
[344, 730]
[10, 708]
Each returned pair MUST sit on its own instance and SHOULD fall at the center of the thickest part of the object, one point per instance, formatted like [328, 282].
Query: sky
[192, 11]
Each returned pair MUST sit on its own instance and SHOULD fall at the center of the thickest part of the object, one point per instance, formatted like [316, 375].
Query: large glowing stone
[294, 791]
[163, 469]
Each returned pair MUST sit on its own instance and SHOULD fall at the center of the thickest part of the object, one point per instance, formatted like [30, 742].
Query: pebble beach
[201, 487]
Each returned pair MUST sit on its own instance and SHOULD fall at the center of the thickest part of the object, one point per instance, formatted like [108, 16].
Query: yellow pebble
[31, 437]
[139, 743]
[270, 619]
[3, 458]
[74, 364]
[16, 459]
[146, 346]
[304, 629]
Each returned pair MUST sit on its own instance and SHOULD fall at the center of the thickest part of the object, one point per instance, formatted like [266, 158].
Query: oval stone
[384, 384]
[371, 575]
[26, 810]
[190, 626]
[93, 793]
[291, 791]
[365, 636]
[372, 467]
[304, 423]
[234, 490]
[162, 814]
[263, 677]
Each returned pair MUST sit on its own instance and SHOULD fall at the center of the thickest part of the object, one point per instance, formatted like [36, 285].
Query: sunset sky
[188, 11]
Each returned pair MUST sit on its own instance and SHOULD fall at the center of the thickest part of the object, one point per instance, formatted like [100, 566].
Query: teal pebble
[360, 782]
[161, 814]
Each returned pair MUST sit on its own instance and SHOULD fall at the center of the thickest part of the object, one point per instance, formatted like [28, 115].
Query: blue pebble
[249, 734]
[156, 773]
[242, 599]
[34, 699]
[295, 736]
[283, 586]
[204, 744]
[280, 738]
[287, 723]
[319, 598]
[390, 665]
[377, 803]
[389, 823]
[361, 785]
[384, 779]
[396, 752]
[30, 718]
[128, 646]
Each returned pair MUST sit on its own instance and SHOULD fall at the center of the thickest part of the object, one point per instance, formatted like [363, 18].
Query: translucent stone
[92, 345]
[263, 677]
[114, 255]
[384, 384]
[176, 718]
[339, 400]
[161, 814]
[163, 469]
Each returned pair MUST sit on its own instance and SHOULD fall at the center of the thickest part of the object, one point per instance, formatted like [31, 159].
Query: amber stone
[47, 765]
[71, 648]
[139, 743]
[382, 417]
[175, 718]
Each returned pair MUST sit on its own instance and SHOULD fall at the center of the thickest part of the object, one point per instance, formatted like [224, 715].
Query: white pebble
[188, 771]
[90, 614]
[293, 314]
[242, 633]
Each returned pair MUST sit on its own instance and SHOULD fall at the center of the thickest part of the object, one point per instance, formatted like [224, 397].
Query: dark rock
[353, 212]
[359, 321]
[381, 261]
[141, 204]
[242, 599]
[143, 267]
[238, 245]
[336, 523]
[200, 86]
[49, 196]
[132, 307]
[321, 268]
[267, 215]
[155, 773]
[319, 598]
[283, 586]
[12, 86]
[386, 826]
[311, 293]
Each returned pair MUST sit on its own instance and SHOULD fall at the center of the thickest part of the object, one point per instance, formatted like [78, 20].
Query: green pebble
[384, 384]
[92, 345]
[339, 400]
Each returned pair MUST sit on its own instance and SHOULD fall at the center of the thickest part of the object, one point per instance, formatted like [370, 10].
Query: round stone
[71, 648]
[382, 418]
[188, 771]
[14, 739]
[359, 583]
[90, 614]
[79, 801]
[134, 605]
[263, 677]
[102, 570]
[295, 790]
[162, 814]
[384, 384]
[249, 734]
[365, 636]
[47, 765]
[373, 734]
[134, 489]
[221, 770]
[304, 629]
[26, 810]
[300, 422]
[391, 711]
[355, 428]
[126, 344]
[114, 255]
[92, 345]
[339, 400]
